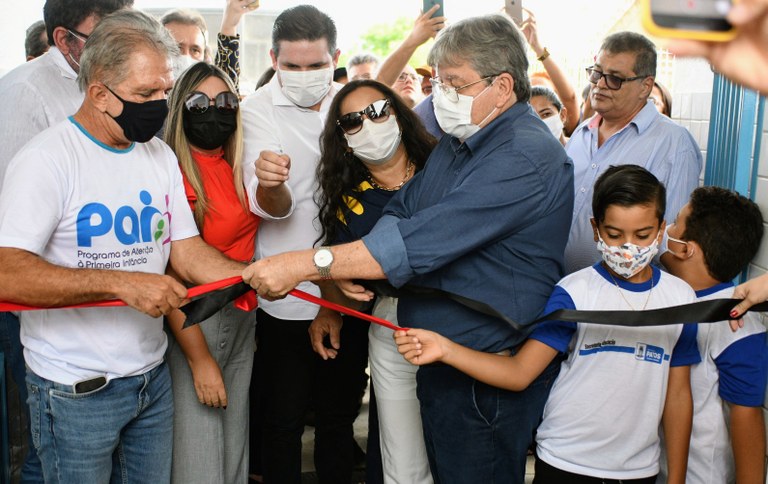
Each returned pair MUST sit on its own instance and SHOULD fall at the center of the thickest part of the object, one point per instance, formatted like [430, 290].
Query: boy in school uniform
[714, 237]
[618, 384]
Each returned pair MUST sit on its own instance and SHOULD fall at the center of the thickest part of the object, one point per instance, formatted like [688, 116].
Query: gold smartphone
[689, 19]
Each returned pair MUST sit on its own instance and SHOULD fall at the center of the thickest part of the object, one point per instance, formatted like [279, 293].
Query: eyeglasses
[452, 93]
[78, 35]
[377, 111]
[611, 82]
[197, 102]
[407, 75]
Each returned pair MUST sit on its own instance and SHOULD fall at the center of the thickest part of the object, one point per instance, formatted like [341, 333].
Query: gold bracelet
[543, 56]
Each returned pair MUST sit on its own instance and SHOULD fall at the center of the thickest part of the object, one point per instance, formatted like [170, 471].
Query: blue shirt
[487, 220]
[426, 112]
[650, 140]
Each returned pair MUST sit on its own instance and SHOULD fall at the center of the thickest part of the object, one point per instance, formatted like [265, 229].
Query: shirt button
[225, 329]
[583, 190]
[222, 344]
[594, 165]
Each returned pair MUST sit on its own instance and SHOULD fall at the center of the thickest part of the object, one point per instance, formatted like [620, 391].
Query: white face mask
[375, 143]
[455, 118]
[306, 88]
[665, 243]
[555, 125]
[627, 259]
[181, 64]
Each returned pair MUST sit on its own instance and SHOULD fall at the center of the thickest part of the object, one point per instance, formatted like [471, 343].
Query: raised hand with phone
[426, 27]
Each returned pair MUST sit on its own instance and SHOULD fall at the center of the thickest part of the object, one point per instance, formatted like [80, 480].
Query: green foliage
[381, 39]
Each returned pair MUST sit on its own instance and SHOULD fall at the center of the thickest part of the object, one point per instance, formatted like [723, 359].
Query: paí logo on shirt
[129, 226]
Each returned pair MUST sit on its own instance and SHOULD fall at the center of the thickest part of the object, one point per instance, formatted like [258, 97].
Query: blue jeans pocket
[486, 400]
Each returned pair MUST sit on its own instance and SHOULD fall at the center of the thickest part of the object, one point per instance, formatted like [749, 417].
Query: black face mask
[140, 121]
[209, 130]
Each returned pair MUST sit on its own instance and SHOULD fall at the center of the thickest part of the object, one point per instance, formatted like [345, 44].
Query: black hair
[666, 97]
[549, 94]
[634, 43]
[727, 226]
[34, 45]
[627, 186]
[71, 13]
[303, 22]
[340, 172]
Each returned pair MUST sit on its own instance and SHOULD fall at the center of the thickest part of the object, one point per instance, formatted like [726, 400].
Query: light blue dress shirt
[650, 140]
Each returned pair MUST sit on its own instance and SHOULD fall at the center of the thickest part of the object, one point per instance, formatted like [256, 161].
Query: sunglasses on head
[198, 102]
[377, 111]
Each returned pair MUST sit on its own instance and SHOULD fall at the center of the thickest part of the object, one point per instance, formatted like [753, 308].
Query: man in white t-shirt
[37, 95]
[282, 124]
[94, 208]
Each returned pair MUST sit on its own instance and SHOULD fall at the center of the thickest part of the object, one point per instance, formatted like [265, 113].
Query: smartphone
[514, 8]
[689, 19]
[430, 3]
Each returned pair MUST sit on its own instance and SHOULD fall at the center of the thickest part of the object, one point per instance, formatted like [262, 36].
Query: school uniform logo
[650, 353]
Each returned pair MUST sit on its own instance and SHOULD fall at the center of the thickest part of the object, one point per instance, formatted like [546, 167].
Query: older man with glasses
[481, 232]
[408, 86]
[626, 129]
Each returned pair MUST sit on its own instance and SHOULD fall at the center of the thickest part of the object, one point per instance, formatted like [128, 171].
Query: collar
[61, 62]
[642, 120]
[624, 284]
[279, 99]
[493, 129]
[716, 288]
[201, 157]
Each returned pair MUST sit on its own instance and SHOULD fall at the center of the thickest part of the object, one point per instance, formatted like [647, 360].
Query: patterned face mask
[627, 259]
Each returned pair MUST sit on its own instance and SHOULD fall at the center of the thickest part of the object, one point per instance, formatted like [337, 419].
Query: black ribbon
[710, 311]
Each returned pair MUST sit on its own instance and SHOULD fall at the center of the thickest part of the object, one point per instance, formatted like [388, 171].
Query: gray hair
[110, 47]
[491, 44]
[634, 43]
[360, 59]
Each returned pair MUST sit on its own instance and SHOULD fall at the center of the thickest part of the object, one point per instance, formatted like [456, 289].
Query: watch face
[323, 258]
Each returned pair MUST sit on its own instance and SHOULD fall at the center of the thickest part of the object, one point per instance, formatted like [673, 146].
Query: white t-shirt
[733, 369]
[603, 414]
[76, 202]
[272, 122]
[36, 95]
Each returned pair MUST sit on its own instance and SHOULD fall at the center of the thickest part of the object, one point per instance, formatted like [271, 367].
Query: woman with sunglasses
[372, 145]
[211, 363]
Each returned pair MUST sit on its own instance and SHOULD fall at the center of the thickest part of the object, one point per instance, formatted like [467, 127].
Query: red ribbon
[246, 302]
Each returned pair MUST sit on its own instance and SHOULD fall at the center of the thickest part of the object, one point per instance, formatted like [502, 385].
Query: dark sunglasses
[198, 102]
[611, 82]
[377, 111]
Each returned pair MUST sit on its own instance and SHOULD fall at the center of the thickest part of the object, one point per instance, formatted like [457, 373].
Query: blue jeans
[475, 432]
[10, 345]
[119, 433]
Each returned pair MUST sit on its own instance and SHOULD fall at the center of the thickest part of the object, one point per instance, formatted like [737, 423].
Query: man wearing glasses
[408, 86]
[627, 129]
[486, 221]
[37, 95]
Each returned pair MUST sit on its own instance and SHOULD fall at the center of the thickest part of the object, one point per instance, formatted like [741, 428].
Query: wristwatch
[323, 259]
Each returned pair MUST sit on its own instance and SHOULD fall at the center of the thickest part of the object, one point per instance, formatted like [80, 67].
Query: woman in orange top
[211, 362]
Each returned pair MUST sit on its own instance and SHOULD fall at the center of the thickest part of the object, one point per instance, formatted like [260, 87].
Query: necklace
[408, 170]
[621, 293]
